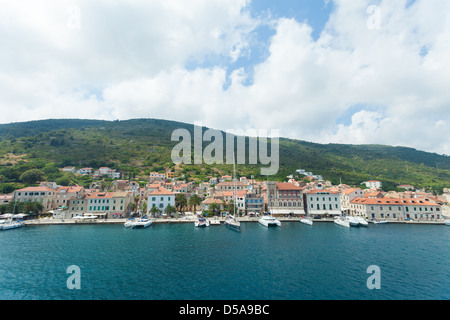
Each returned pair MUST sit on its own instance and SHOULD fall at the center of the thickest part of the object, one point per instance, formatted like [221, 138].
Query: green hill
[139, 146]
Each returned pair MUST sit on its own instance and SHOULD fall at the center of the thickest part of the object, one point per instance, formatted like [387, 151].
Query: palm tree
[136, 203]
[194, 201]
[169, 210]
[214, 208]
[154, 211]
[144, 207]
[180, 202]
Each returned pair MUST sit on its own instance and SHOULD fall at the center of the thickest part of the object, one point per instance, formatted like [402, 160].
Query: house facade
[161, 199]
[285, 199]
[323, 203]
[45, 196]
[395, 209]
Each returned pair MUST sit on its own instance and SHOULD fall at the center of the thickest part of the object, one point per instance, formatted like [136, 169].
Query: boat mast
[234, 186]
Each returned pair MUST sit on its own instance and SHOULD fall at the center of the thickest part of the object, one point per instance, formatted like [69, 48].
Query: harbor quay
[213, 221]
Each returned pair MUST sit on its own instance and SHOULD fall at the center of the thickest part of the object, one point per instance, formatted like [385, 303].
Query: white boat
[362, 221]
[143, 222]
[379, 221]
[341, 222]
[269, 221]
[307, 221]
[447, 222]
[11, 223]
[232, 223]
[202, 222]
[352, 221]
[129, 223]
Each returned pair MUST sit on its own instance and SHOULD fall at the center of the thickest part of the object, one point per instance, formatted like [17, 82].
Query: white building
[323, 203]
[86, 171]
[157, 176]
[395, 209]
[161, 199]
[373, 184]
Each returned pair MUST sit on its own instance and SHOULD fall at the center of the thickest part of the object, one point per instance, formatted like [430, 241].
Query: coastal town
[165, 197]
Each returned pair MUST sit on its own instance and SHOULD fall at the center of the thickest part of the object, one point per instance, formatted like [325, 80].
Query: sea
[182, 262]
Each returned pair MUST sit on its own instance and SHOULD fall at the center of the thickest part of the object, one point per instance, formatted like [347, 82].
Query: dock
[213, 221]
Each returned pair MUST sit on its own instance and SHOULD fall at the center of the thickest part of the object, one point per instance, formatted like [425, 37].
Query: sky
[332, 71]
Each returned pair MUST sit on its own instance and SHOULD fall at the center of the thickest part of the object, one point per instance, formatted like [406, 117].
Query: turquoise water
[181, 262]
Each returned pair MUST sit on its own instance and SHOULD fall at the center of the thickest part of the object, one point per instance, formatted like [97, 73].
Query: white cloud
[128, 59]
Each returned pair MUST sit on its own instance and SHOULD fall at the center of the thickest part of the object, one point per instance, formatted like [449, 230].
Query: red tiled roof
[36, 189]
[393, 202]
[162, 191]
[287, 186]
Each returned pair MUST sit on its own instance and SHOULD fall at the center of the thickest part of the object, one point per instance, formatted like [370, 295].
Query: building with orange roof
[347, 195]
[207, 202]
[395, 209]
[44, 195]
[285, 198]
[160, 198]
[102, 204]
[64, 194]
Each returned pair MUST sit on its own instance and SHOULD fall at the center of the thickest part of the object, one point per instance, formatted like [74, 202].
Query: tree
[144, 206]
[214, 208]
[154, 211]
[31, 176]
[194, 201]
[169, 210]
[180, 201]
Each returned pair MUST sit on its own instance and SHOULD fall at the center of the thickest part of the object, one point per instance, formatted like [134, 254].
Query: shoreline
[213, 222]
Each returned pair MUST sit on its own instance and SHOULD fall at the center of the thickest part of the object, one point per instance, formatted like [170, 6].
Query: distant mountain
[144, 145]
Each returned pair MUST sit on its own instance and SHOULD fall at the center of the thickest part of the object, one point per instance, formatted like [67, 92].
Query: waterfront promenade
[191, 219]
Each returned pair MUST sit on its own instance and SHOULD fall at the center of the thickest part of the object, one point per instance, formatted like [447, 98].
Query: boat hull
[233, 225]
[306, 221]
[202, 224]
[362, 222]
[342, 223]
[352, 221]
[141, 224]
[11, 226]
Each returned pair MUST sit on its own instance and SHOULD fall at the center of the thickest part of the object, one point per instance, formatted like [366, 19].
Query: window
[153, 198]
